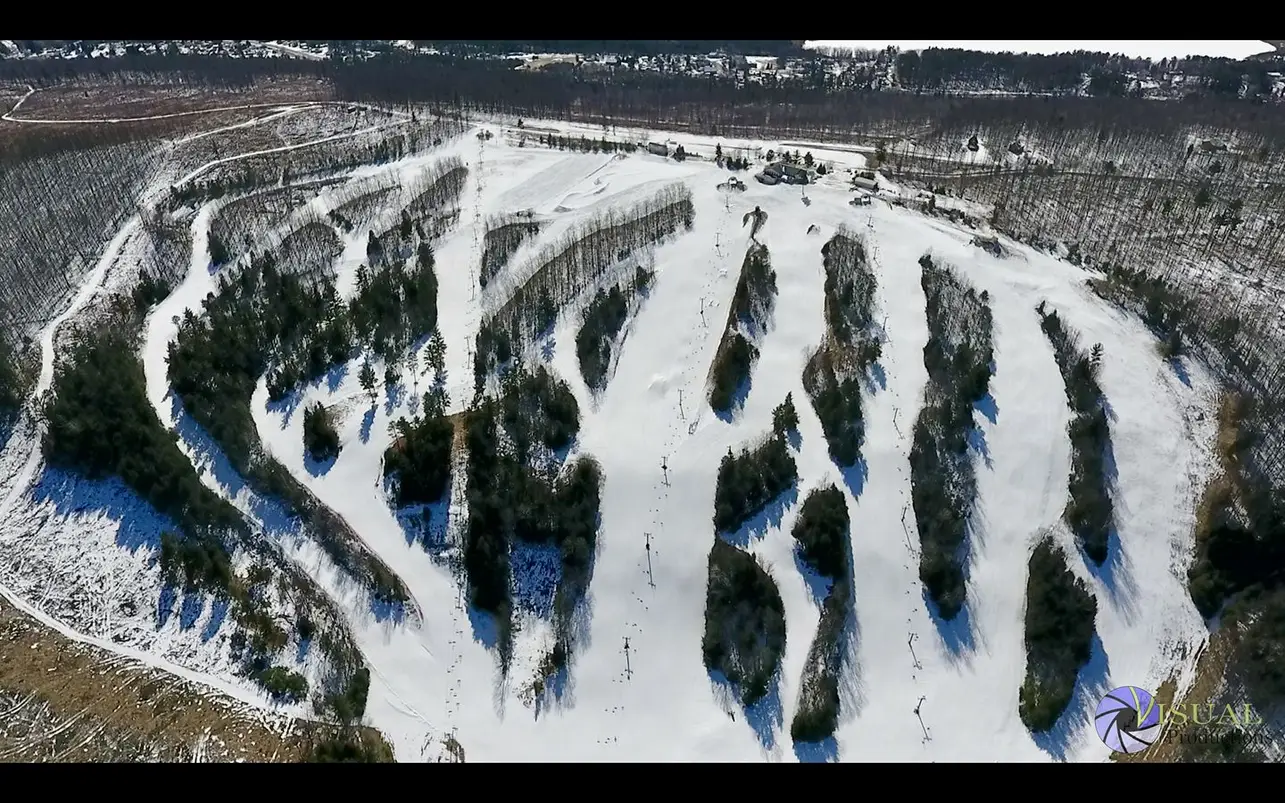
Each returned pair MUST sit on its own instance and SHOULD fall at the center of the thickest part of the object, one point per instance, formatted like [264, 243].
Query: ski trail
[45, 380]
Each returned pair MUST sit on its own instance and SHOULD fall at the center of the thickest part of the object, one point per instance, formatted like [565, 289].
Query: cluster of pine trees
[822, 535]
[1089, 513]
[744, 621]
[748, 482]
[832, 376]
[601, 323]
[419, 460]
[958, 357]
[747, 321]
[100, 425]
[515, 491]
[257, 320]
[1059, 630]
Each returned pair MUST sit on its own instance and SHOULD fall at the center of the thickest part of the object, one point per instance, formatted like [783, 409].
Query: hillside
[353, 410]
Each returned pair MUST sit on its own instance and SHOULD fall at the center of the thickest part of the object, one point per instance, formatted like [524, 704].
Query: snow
[440, 679]
[1134, 48]
[436, 678]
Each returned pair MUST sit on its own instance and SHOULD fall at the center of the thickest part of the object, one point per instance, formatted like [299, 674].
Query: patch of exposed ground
[105, 100]
[62, 701]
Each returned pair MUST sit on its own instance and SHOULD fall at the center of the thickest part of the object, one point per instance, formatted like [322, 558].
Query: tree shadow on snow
[367, 422]
[547, 349]
[1180, 370]
[1111, 469]
[855, 476]
[287, 406]
[825, 751]
[739, 396]
[795, 439]
[1090, 686]
[976, 439]
[818, 585]
[535, 571]
[957, 635]
[764, 717]
[988, 407]
[138, 524]
[486, 630]
[218, 615]
[387, 611]
[317, 468]
[876, 377]
[1116, 576]
[757, 526]
[277, 522]
[392, 397]
[427, 525]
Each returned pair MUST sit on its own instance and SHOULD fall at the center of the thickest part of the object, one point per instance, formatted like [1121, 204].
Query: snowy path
[21, 469]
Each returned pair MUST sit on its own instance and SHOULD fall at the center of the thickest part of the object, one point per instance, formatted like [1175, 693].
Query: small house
[658, 148]
[781, 173]
[867, 184]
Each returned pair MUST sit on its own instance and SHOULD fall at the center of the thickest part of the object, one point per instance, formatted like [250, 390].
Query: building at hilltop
[781, 173]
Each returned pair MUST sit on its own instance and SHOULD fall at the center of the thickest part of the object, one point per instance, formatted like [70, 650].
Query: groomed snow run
[435, 678]
[438, 679]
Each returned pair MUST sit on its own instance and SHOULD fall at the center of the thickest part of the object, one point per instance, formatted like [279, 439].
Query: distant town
[949, 71]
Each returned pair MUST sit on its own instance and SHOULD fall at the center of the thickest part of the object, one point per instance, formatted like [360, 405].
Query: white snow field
[434, 677]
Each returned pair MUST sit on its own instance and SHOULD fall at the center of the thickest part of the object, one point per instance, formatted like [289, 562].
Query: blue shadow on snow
[855, 476]
[317, 468]
[956, 634]
[739, 396]
[1180, 370]
[987, 406]
[879, 375]
[765, 717]
[825, 751]
[1090, 686]
[758, 525]
[818, 584]
[218, 614]
[367, 422]
[536, 570]
[1116, 575]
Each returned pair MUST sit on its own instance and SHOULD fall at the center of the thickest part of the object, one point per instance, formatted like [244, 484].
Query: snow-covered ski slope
[442, 679]
[437, 677]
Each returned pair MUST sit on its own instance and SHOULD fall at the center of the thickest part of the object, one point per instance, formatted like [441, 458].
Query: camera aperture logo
[1130, 720]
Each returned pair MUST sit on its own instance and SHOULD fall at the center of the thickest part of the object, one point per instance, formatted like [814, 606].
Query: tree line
[562, 270]
[597, 339]
[100, 424]
[1089, 513]
[958, 357]
[255, 320]
[822, 533]
[504, 235]
[832, 375]
[517, 490]
[748, 318]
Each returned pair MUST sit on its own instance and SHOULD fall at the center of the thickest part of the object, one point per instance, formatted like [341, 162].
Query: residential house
[781, 173]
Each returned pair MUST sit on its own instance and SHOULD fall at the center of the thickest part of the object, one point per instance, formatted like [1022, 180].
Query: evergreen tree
[367, 378]
[785, 418]
[435, 352]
